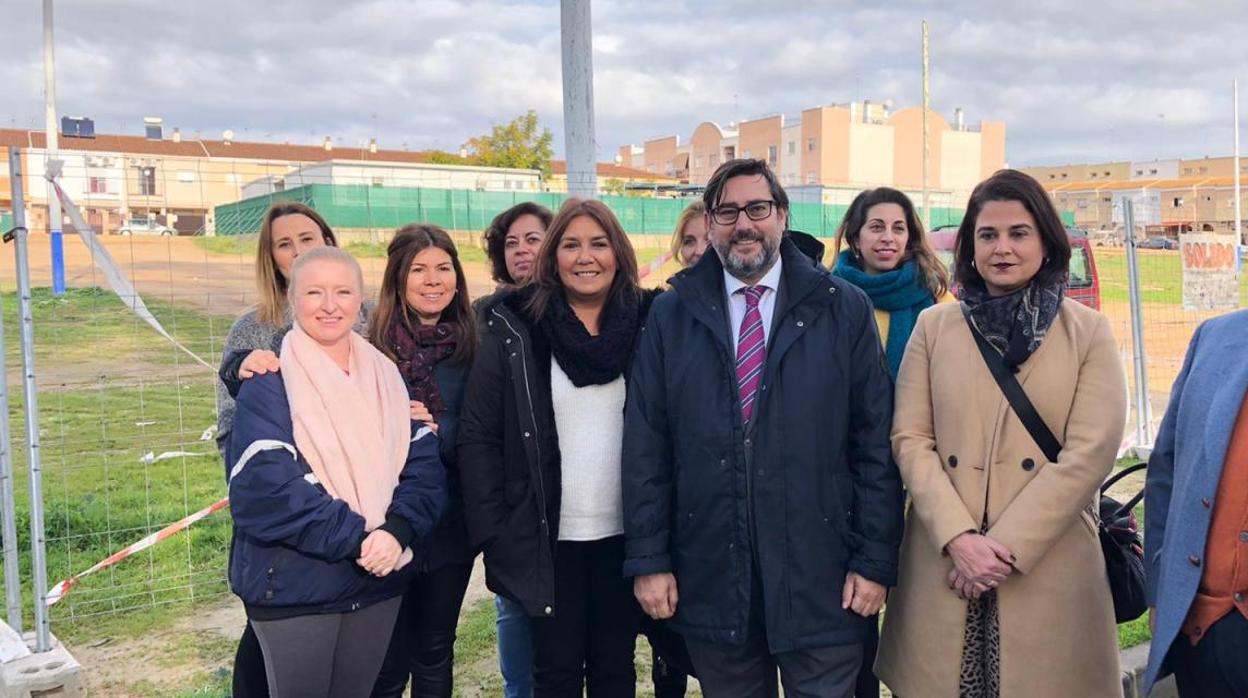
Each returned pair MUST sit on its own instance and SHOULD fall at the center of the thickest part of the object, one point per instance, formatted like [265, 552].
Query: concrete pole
[578, 98]
[927, 150]
[1239, 235]
[50, 126]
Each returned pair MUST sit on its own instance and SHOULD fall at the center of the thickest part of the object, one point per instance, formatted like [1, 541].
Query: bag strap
[1040, 432]
[1130, 503]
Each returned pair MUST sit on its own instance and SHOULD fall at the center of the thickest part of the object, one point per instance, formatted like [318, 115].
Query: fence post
[12, 574]
[1143, 413]
[26, 333]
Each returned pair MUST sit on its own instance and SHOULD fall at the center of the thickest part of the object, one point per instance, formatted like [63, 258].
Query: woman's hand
[980, 559]
[379, 553]
[420, 413]
[257, 362]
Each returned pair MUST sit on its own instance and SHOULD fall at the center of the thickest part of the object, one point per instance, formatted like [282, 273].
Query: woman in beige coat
[1002, 588]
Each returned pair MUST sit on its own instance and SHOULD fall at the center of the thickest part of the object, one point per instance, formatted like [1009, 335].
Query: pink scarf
[352, 427]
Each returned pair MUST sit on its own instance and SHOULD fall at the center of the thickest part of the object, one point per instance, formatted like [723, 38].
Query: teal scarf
[900, 292]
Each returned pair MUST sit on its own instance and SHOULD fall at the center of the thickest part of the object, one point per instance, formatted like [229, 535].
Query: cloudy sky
[1077, 80]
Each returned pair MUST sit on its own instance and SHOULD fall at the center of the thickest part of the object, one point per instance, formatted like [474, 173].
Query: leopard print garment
[981, 650]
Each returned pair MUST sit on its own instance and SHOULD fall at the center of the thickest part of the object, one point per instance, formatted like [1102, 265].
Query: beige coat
[965, 456]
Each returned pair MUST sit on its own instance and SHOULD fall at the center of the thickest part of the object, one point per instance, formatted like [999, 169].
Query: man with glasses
[762, 507]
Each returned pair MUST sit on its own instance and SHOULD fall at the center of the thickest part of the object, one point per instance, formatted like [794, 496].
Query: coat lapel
[1224, 409]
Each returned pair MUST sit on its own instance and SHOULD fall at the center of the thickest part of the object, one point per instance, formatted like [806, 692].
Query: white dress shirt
[766, 304]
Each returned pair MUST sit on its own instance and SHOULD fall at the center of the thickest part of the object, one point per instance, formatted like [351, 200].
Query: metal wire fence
[126, 416]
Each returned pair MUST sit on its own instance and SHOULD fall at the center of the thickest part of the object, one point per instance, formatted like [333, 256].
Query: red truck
[1084, 284]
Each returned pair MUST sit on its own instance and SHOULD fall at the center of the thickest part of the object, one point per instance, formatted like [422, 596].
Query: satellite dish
[227, 135]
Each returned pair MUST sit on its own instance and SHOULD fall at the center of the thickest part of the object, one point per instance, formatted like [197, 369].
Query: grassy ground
[246, 245]
[1161, 276]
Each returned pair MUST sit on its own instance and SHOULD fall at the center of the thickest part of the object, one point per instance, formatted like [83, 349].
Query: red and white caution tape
[61, 590]
[655, 266]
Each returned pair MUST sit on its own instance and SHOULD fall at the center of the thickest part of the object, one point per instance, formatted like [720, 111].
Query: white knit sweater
[590, 423]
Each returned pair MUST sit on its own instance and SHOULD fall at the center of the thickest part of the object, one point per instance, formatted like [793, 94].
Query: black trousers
[1217, 667]
[868, 685]
[250, 680]
[749, 670]
[423, 643]
[587, 644]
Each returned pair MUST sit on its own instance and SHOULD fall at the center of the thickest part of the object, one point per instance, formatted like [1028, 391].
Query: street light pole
[49, 103]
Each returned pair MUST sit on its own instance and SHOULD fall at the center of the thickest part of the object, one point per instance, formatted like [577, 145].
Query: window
[810, 145]
[730, 152]
[1187, 170]
[1093, 175]
[279, 184]
[379, 182]
[697, 163]
[147, 181]
[1081, 203]
[792, 148]
[1107, 173]
[1063, 175]
[747, 154]
[99, 185]
[1139, 173]
[186, 176]
[1178, 202]
[811, 178]
[772, 156]
[1152, 171]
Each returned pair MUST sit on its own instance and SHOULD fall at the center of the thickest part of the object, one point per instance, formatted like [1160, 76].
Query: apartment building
[850, 146]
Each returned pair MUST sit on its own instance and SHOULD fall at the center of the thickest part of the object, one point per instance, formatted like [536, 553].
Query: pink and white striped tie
[751, 351]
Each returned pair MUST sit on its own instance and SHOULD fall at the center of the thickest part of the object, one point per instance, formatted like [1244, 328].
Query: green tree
[441, 157]
[613, 186]
[516, 144]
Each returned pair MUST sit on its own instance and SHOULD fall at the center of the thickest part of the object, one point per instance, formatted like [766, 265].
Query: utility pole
[927, 211]
[49, 103]
[576, 32]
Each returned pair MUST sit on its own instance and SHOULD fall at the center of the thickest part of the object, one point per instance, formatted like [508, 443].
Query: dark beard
[740, 268]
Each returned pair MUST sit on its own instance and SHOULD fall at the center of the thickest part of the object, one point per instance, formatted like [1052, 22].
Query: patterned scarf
[1014, 324]
[419, 349]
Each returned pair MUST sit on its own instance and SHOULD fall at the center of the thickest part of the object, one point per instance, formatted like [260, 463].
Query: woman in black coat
[424, 322]
[539, 451]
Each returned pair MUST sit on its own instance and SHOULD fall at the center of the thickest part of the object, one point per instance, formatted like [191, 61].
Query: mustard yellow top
[881, 318]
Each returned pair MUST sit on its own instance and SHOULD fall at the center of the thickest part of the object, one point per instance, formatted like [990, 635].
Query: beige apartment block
[860, 144]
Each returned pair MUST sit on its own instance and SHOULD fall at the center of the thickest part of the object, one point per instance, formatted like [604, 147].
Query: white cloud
[1072, 80]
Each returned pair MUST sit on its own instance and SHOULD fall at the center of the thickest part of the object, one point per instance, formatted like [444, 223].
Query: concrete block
[1134, 661]
[51, 674]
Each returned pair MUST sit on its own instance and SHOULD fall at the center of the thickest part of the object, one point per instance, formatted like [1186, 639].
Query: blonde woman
[332, 484]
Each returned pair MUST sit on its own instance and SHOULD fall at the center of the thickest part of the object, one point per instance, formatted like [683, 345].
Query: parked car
[1084, 285]
[145, 226]
[1158, 244]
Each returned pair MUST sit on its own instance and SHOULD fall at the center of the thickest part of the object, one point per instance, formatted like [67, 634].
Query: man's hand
[379, 553]
[258, 362]
[862, 595]
[657, 594]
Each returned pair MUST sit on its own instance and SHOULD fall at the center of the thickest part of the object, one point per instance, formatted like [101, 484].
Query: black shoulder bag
[1118, 528]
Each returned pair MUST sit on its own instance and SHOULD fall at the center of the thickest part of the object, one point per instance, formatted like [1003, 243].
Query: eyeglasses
[755, 211]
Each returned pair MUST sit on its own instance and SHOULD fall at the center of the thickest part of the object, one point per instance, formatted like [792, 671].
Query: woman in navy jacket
[322, 536]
